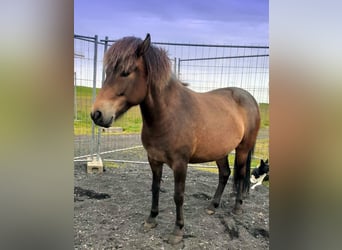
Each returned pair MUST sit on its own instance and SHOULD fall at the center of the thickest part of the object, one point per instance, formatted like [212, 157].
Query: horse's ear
[143, 47]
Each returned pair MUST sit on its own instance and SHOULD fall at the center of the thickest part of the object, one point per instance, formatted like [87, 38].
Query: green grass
[261, 148]
[265, 115]
[114, 165]
[131, 122]
[85, 91]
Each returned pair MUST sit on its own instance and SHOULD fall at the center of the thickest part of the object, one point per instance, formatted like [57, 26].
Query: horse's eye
[124, 74]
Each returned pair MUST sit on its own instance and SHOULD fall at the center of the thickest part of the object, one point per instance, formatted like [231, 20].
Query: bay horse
[180, 126]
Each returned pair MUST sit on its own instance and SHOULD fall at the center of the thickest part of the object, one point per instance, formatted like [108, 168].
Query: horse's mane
[122, 55]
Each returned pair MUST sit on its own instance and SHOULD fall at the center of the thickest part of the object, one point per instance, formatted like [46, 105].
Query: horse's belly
[212, 150]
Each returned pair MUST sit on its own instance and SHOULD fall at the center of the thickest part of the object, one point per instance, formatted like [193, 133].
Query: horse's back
[245, 102]
[242, 97]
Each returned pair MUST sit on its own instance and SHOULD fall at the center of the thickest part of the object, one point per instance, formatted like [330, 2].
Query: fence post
[179, 61]
[96, 162]
[75, 97]
[94, 95]
[102, 80]
[104, 51]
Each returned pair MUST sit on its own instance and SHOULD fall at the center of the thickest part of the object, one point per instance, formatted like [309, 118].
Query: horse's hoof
[237, 211]
[210, 212]
[176, 236]
[211, 209]
[149, 224]
[174, 239]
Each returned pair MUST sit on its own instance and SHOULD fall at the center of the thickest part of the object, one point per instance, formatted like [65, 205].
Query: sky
[196, 21]
[232, 22]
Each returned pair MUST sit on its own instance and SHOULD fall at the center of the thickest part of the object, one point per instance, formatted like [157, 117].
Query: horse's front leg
[157, 170]
[179, 172]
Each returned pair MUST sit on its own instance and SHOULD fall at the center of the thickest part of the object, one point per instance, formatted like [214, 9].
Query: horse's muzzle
[99, 120]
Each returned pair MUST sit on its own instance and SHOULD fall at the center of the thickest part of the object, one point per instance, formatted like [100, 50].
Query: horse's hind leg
[224, 173]
[241, 176]
[157, 170]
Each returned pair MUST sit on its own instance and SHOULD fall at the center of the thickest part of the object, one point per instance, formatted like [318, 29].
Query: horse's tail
[247, 181]
[246, 178]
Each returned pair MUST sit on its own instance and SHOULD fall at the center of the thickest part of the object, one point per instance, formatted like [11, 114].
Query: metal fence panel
[84, 50]
[203, 67]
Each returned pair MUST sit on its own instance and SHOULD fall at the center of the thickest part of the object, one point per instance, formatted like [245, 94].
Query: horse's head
[125, 84]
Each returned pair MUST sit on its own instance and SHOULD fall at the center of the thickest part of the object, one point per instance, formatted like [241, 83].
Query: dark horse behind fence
[179, 125]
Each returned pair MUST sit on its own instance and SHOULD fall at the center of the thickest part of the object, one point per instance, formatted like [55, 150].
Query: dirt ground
[110, 209]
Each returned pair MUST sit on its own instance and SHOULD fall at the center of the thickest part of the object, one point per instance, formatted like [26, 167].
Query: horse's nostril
[96, 115]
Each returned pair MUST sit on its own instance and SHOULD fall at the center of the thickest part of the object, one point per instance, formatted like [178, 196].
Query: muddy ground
[110, 209]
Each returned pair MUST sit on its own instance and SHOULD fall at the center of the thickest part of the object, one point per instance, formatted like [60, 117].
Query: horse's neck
[156, 108]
